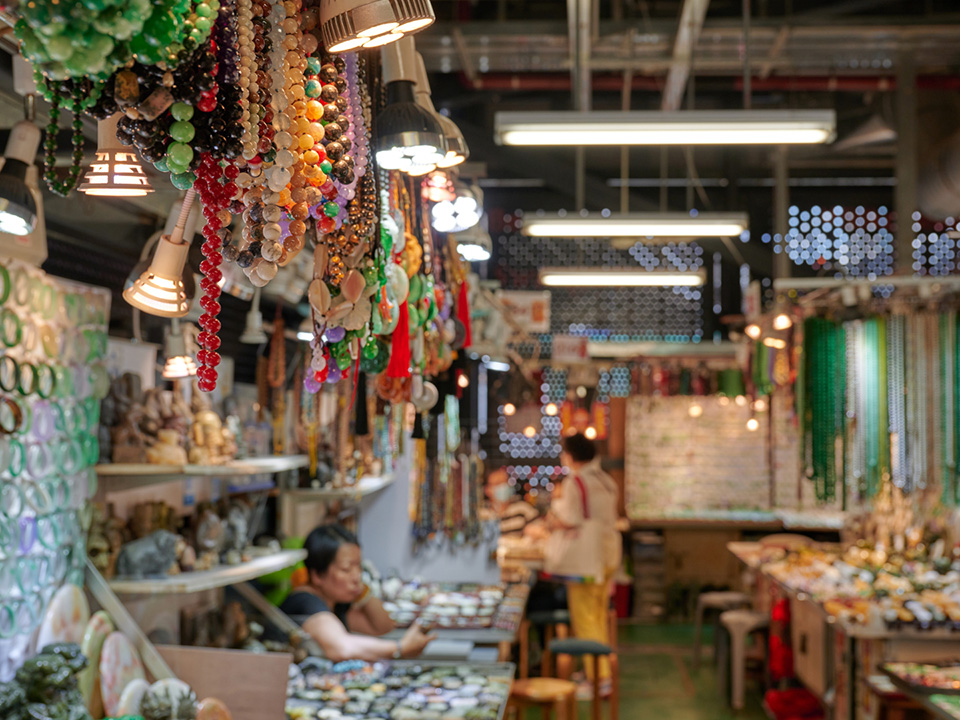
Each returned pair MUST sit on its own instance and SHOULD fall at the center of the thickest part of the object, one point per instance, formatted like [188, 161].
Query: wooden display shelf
[191, 582]
[366, 486]
[124, 476]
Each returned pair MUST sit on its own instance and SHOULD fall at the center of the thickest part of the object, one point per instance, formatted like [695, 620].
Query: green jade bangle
[5, 279]
[46, 380]
[11, 328]
[9, 373]
[21, 287]
[28, 379]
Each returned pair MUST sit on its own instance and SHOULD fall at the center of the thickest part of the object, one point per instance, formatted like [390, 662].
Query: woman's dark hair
[580, 447]
[322, 545]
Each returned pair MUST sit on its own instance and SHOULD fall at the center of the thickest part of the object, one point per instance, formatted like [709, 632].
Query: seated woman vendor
[337, 609]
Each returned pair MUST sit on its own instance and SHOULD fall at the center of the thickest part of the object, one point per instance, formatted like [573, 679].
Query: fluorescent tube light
[617, 277]
[691, 127]
[638, 225]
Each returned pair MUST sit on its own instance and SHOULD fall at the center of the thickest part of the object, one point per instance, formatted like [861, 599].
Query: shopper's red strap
[583, 497]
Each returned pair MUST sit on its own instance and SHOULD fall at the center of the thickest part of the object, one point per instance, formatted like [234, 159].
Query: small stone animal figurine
[152, 556]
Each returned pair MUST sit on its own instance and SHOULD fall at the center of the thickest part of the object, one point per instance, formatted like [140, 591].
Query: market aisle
[657, 681]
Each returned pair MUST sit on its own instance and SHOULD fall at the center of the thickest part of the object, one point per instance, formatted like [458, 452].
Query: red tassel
[463, 314]
[399, 366]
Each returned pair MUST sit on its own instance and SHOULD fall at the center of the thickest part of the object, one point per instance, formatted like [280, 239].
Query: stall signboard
[569, 348]
[529, 308]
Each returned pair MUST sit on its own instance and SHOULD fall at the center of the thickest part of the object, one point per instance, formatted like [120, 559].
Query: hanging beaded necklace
[64, 187]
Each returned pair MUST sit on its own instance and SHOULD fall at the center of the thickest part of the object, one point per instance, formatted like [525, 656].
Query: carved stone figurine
[167, 450]
[128, 443]
[207, 446]
[152, 556]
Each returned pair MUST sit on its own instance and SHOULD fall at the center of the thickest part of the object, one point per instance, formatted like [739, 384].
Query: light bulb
[753, 331]
[509, 409]
[782, 322]
[529, 431]
[753, 424]
[463, 381]
[696, 410]
[590, 433]
[551, 409]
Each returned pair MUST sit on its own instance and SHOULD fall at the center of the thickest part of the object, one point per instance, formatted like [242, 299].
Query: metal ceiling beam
[692, 15]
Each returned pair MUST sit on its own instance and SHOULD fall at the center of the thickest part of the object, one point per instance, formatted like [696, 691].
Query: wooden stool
[547, 694]
[555, 623]
[566, 650]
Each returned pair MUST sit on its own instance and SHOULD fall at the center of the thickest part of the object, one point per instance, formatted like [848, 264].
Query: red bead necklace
[216, 189]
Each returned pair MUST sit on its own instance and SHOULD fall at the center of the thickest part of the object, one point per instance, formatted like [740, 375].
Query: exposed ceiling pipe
[613, 82]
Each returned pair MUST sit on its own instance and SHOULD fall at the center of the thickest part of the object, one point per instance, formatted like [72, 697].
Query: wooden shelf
[367, 486]
[218, 577]
[123, 476]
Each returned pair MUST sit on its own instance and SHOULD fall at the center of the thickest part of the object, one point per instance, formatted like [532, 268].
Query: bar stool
[740, 624]
[566, 650]
[725, 600]
[547, 694]
[555, 623]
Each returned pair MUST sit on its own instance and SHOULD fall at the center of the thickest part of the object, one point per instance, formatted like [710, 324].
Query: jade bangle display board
[680, 459]
[53, 336]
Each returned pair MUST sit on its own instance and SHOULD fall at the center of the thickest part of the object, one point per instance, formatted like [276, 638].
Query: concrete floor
[658, 682]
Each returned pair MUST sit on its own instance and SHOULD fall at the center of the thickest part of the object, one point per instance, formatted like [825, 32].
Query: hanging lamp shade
[253, 333]
[116, 171]
[160, 289]
[407, 133]
[352, 24]
[179, 364]
[456, 146]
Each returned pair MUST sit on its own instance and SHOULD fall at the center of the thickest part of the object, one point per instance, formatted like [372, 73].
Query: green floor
[658, 682]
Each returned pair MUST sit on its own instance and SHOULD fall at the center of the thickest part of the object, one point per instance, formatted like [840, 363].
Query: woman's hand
[414, 640]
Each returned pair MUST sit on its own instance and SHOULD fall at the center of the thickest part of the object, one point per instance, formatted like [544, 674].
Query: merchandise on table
[868, 586]
[925, 678]
[454, 606]
[401, 691]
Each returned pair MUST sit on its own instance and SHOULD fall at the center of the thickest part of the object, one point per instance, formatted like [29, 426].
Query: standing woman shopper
[584, 545]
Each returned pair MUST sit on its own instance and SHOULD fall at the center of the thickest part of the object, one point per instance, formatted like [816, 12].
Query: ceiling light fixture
[351, 24]
[753, 424]
[305, 330]
[407, 134]
[474, 244]
[18, 206]
[454, 141]
[685, 127]
[509, 409]
[638, 225]
[618, 277]
[753, 331]
[160, 289]
[460, 214]
[178, 364]
[253, 333]
[116, 171]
